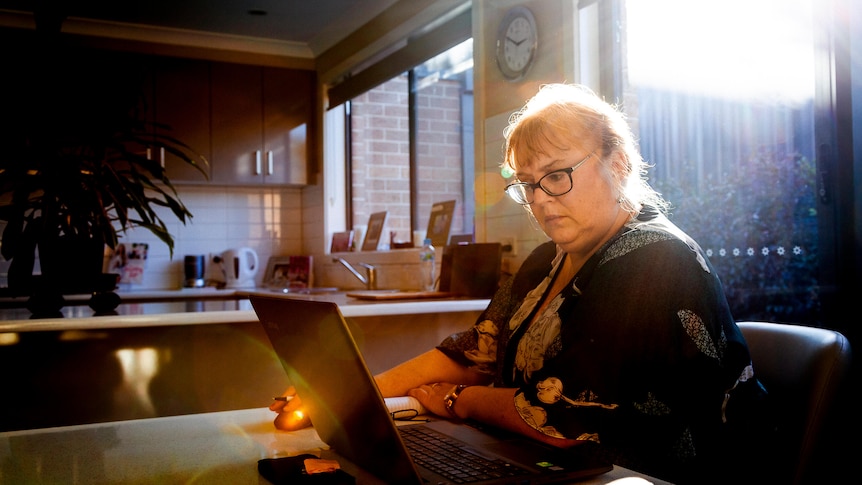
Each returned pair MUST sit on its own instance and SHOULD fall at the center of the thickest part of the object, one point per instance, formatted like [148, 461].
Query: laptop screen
[338, 391]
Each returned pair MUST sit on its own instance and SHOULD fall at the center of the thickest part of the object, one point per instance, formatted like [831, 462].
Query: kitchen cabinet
[182, 111]
[288, 109]
[176, 103]
[260, 124]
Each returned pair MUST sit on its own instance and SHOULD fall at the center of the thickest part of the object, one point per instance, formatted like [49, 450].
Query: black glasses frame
[516, 189]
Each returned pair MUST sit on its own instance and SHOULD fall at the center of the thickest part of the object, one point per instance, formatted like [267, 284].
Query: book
[404, 405]
[440, 222]
[376, 222]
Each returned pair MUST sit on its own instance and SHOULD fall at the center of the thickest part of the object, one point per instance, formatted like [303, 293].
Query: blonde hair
[561, 113]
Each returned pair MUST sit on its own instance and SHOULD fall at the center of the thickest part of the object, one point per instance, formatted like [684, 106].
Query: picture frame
[376, 222]
[439, 222]
[461, 239]
[129, 261]
[342, 242]
[289, 272]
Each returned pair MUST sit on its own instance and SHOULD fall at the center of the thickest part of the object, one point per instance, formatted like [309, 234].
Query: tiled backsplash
[268, 220]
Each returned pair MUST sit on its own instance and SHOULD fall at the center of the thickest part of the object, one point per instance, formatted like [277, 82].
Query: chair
[802, 368]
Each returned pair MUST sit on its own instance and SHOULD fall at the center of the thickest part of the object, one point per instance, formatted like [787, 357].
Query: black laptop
[323, 362]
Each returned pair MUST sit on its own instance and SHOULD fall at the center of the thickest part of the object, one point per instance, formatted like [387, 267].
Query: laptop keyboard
[451, 459]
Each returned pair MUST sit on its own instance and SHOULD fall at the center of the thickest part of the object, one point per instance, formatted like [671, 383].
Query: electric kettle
[240, 267]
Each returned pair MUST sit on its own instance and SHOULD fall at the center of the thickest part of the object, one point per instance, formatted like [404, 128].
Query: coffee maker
[194, 271]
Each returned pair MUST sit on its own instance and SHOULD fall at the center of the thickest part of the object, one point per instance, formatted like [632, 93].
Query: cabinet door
[288, 103]
[237, 120]
[137, 69]
[182, 110]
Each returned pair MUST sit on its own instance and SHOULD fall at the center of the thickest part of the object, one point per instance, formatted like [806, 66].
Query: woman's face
[581, 220]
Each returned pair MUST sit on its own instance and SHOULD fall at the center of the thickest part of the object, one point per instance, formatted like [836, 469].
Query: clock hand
[517, 43]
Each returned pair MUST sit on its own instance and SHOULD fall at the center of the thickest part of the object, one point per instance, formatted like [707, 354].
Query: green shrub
[758, 225]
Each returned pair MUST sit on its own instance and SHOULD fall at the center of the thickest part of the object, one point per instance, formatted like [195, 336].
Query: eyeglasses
[555, 184]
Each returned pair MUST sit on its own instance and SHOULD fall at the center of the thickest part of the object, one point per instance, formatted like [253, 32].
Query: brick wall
[381, 154]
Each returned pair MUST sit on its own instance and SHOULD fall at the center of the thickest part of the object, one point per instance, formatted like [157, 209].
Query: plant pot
[46, 299]
[71, 266]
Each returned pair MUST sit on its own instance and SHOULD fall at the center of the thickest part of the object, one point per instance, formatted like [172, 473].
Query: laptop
[323, 362]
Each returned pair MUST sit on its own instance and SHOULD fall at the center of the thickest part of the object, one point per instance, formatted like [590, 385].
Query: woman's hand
[290, 416]
[432, 397]
[489, 405]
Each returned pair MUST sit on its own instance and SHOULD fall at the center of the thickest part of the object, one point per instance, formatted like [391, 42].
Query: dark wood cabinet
[182, 110]
[260, 124]
[176, 102]
[288, 109]
[253, 124]
[237, 130]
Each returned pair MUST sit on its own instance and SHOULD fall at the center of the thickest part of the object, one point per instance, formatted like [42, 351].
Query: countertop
[212, 448]
[139, 296]
[236, 309]
[139, 302]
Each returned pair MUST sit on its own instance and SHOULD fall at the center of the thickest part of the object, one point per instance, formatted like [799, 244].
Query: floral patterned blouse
[639, 352]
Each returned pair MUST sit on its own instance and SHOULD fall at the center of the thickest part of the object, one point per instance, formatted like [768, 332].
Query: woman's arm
[489, 405]
[429, 377]
[430, 367]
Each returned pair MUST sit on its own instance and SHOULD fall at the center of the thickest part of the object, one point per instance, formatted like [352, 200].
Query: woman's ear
[620, 167]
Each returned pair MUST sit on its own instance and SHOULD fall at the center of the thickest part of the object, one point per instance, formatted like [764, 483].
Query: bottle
[426, 265]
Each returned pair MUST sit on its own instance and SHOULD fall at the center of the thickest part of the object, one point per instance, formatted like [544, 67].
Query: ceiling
[316, 24]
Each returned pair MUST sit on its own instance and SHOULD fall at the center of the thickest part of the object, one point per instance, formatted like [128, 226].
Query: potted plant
[75, 171]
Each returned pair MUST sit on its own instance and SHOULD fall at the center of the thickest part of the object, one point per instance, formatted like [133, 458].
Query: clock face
[516, 43]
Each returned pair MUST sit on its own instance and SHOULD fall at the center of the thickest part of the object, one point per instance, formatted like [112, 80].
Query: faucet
[370, 278]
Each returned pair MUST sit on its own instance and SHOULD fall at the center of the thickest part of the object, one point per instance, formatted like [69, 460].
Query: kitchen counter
[137, 296]
[194, 359]
[134, 302]
[187, 309]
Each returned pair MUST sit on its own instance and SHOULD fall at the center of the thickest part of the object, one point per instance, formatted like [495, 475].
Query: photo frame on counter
[439, 222]
[289, 272]
[376, 222]
[461, 239]
[129, 261]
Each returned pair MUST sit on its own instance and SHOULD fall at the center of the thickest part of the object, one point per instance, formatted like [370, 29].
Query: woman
[616, 330]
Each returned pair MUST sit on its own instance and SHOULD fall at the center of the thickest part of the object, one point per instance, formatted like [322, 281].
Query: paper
[404, 403]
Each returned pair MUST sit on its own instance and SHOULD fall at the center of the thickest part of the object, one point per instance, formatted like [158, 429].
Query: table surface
[212, 448]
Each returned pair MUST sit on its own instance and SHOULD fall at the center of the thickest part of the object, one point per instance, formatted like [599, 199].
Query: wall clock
[517, 41]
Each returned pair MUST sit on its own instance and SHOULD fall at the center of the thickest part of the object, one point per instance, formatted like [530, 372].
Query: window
[410, 146]
[727, 119]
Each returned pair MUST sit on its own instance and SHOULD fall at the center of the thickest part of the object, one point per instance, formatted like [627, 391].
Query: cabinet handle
[257, 162]
[269, 164]
[149, 153]
[162, 156]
